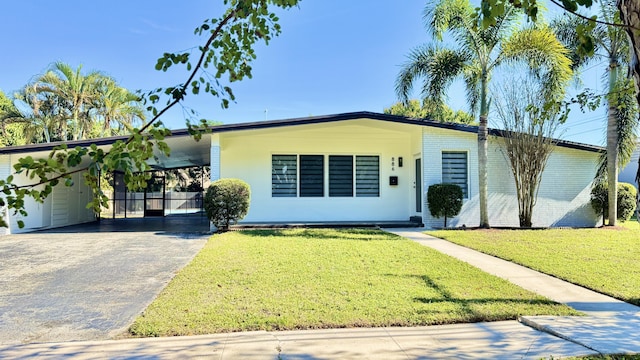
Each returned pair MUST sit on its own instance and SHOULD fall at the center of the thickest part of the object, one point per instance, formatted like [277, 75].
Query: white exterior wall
[247, 155]
[64, 206]
[215, 158]
[5, 171]
[563, 198]
[435, 141]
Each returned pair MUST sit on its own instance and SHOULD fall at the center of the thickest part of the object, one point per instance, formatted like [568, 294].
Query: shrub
[626, 200]
[226, 202]
[444, 200]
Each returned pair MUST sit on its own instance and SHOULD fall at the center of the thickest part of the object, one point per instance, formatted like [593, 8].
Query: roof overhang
[187, 152]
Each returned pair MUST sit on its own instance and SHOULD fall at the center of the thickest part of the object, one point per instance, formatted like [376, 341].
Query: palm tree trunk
[630, 16]
[482, 154]
[612, 164]
[612, 145]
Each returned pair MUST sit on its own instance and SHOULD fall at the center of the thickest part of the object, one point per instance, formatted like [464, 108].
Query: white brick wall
[563, 198]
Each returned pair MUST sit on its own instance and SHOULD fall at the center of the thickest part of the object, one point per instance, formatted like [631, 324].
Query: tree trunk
[630, 16]
[612, 165]
[612, 145]
[482, 154]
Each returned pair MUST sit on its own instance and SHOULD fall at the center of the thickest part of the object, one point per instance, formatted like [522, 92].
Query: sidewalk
[497, 340]
[610, 327]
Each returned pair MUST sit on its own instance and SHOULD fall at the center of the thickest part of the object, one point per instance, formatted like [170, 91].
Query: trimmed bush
[444, 200]
[626, 200]
[226, 202]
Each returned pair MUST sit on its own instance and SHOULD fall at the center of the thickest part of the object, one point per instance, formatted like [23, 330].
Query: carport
[175, 224]
[158, 210]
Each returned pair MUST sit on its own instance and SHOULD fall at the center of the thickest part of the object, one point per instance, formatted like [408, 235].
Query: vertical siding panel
[215, 157]
[5, 171]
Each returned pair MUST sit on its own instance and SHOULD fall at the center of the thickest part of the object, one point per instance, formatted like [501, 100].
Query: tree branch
[214, 34]
[205, 48]
[52, 179]
[590, 19]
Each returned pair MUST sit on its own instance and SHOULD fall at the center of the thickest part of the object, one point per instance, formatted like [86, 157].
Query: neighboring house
[353, 167]
[628, 174]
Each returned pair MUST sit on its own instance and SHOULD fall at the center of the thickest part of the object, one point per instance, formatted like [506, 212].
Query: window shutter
[340, 175]
[454, 169]
[312, 175]
[367, 176]
[284, 175]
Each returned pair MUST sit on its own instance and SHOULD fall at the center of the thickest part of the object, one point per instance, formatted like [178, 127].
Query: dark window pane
[454, 169]
[312, 175]
[340, 175]
[284, 175]
[368, 176]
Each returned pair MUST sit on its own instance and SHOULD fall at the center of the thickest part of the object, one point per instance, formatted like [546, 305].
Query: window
[311, 175]
[340, 175]
[454, 169]
[368, 176]
[304, 175]
[284, 175]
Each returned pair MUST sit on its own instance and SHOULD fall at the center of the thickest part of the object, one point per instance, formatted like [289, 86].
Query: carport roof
[282, 123]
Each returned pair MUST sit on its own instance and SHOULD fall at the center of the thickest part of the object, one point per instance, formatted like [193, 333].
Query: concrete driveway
[66, 286]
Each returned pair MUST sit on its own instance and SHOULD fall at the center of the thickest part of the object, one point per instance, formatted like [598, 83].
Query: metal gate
[154, 202]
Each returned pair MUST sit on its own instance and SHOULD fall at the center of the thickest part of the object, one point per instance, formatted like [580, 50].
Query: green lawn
[306, 279]
[602, 259]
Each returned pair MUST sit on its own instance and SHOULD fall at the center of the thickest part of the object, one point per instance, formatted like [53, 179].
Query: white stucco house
[352, 167]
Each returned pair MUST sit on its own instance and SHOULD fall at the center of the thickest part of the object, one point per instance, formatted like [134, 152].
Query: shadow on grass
[327, 234]
[466, 305]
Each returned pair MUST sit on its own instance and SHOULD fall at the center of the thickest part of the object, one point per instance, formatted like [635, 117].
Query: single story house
[351, 167]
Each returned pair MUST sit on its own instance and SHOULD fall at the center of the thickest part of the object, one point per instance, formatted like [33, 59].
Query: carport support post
[214, 165]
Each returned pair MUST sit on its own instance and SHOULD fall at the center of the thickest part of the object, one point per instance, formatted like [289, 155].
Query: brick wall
[563, 198]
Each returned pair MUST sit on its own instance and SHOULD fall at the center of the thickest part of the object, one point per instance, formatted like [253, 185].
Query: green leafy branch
[228, 49]
[491, 10]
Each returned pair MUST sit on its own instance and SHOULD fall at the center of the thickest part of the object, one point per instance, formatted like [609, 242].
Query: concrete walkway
[610, 327]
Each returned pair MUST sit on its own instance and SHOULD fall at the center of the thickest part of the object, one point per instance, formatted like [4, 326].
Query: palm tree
[76, 90]
[479, 51]
[611, 43]
[37, 114]
[117, 106]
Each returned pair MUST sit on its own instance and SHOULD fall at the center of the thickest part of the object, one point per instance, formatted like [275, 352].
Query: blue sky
[332, 56]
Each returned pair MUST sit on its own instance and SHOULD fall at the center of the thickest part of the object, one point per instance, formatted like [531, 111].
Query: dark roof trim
[70, 144]
[293, 122]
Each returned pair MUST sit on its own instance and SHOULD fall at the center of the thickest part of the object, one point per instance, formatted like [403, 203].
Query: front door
[417, 185]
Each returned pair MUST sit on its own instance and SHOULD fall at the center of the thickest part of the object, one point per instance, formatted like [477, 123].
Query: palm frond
[449, 15]
[436, 66]
[540, 49]
[472, 77]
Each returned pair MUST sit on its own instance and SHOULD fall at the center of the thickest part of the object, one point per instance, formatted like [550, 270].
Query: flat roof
[294, 122]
